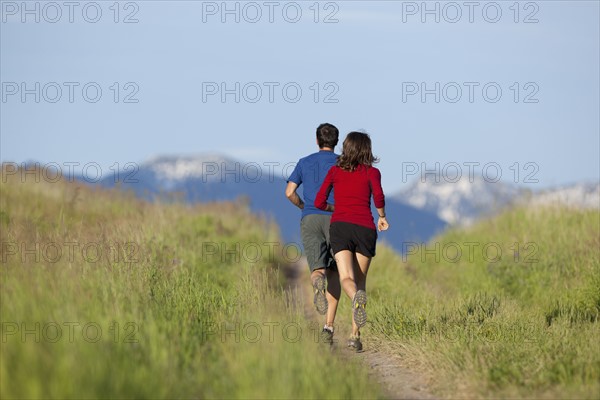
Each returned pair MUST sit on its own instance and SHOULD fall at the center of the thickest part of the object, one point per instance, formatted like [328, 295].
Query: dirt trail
[396, 380]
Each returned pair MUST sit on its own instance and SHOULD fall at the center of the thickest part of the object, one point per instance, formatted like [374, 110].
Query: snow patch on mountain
[461, 201]
[179, 168]
[464, 201]
[579, 195]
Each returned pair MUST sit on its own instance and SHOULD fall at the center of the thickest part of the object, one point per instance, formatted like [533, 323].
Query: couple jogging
[339, 246]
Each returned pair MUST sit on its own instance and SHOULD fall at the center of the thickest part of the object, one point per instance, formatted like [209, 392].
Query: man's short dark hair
[327, 135]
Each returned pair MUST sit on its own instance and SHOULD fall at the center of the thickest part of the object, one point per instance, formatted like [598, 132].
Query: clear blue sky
[369, 57]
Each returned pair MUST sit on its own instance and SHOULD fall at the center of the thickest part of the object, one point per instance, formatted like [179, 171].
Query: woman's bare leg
[345, 264]
[333, 293]
[360, 269]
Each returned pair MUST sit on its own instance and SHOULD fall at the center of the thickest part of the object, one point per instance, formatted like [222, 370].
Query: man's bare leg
[319, 284]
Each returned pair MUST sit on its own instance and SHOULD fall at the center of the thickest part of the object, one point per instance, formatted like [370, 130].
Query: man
[314, 226]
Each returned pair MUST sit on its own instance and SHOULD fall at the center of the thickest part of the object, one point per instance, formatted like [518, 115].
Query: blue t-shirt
[311, 171]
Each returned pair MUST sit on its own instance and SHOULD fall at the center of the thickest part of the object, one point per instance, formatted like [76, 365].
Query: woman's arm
[382, 224]
[378, 198]
[323, 195]
[376, 189]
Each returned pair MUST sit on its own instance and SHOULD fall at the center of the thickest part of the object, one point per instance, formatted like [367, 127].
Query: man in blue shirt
[314, 226]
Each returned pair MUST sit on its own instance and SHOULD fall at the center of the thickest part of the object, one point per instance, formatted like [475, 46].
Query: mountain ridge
[465, 201]
[208, 177]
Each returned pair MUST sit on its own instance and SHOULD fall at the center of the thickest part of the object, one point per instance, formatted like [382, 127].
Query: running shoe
[359, 303]
[327, 335]
[355, 344]
[320, 300]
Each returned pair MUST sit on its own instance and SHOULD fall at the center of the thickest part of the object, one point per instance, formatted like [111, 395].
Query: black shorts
[356, 238]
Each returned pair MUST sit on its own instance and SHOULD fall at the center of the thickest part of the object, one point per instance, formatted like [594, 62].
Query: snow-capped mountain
[417, 213]
[178, 168]
[213, 177]
[460, 202]
[169, 172]
[579, 195]
[465, 201]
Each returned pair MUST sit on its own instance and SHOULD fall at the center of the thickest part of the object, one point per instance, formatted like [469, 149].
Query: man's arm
[290, 193]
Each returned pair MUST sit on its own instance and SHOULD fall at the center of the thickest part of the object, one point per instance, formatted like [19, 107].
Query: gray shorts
[314, 229]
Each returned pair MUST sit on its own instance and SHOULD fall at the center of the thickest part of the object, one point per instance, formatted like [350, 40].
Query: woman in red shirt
[352, 232]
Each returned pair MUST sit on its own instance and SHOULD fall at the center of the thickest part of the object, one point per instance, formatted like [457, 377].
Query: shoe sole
[320, 300]
[327, 339]
[356, 346]
[359, 312]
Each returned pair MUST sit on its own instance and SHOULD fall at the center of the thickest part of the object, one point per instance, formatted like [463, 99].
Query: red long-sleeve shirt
[352, 194]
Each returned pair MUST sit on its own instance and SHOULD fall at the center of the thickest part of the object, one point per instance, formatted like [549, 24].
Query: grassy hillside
[106, 296]
[509, 307]
[103, 295]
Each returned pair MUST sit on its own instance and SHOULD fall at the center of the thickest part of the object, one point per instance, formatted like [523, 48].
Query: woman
[352, 231]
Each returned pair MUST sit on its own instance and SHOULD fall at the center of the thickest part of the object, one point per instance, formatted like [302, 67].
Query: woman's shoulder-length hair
[356, 151]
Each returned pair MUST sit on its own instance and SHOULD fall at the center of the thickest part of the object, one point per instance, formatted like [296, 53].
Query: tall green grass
[157, 300]
[151, 300]
[520, 319]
